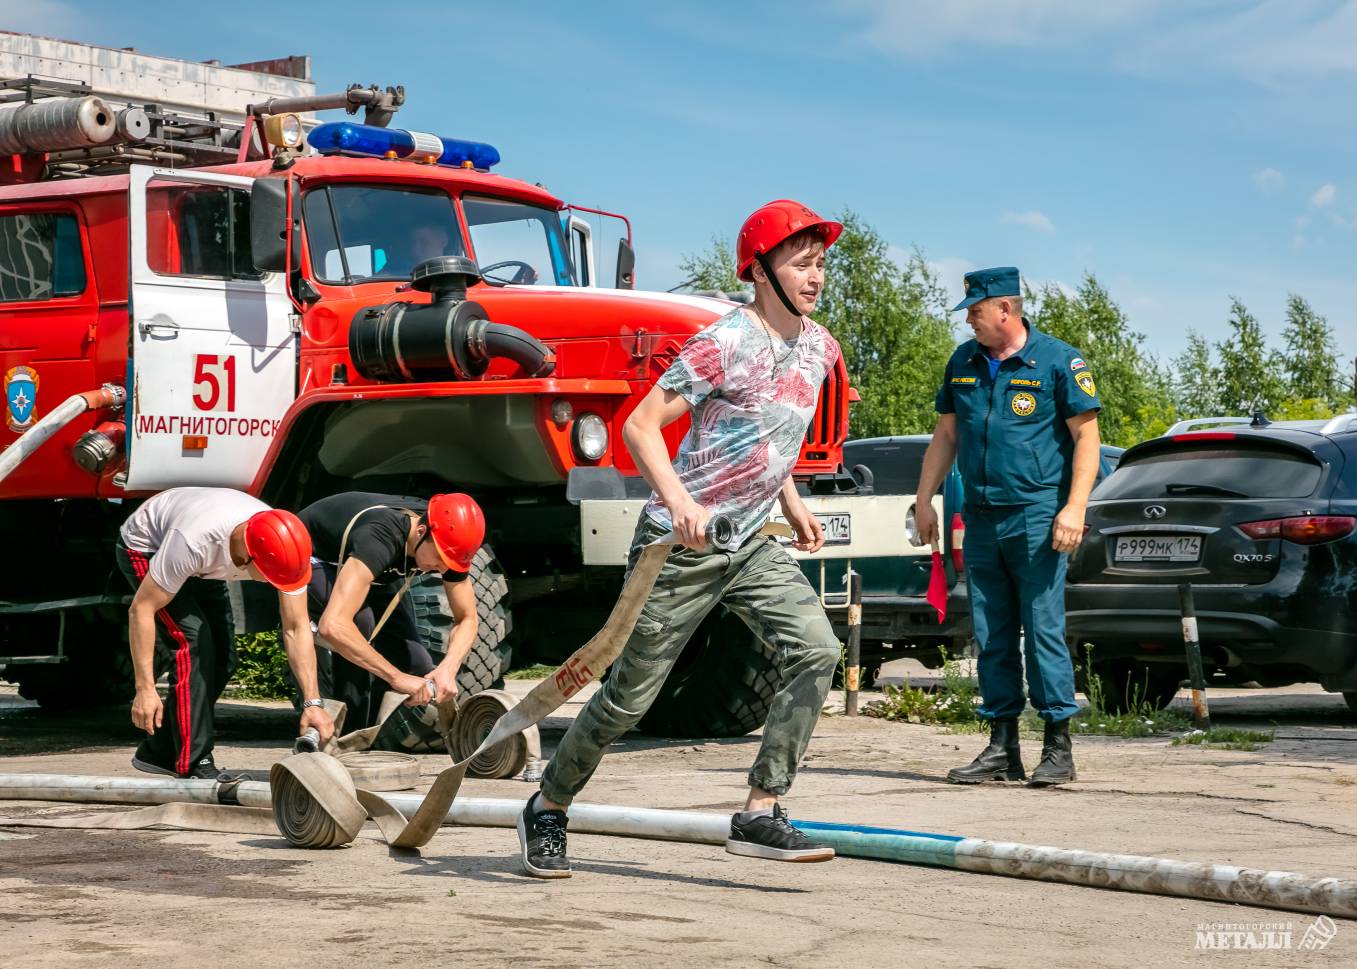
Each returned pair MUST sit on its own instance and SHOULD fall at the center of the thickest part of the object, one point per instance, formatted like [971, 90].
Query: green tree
[1310, 359]
[1196, 381]
[713, 269]
[1135, 390]
[1251, 375]
[893, 325]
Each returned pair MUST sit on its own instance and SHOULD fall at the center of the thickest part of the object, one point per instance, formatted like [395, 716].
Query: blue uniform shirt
[1013, 446]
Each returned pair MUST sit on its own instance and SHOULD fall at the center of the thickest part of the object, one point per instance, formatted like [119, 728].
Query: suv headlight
[590, 437]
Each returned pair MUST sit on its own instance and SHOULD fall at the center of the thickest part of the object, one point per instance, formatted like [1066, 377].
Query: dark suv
[1261, 519]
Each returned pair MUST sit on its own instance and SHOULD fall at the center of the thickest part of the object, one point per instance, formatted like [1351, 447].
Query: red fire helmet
[457, 526]
[773, 224]
[280, 547]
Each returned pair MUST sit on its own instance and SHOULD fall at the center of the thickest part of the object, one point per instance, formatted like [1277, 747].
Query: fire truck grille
[823, 431]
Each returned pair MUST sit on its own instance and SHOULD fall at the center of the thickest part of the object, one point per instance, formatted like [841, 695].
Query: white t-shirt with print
[753, 396]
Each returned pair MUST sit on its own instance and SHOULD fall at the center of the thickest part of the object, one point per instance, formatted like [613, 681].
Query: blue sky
[1183, 151]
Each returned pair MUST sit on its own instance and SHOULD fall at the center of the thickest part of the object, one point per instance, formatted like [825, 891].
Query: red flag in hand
[937, 585]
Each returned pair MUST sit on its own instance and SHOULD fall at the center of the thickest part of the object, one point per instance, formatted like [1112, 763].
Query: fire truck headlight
[283, 130]
[591, 437]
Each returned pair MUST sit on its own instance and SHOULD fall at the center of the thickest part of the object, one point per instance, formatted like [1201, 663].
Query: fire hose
[314, 801]
[109, 395]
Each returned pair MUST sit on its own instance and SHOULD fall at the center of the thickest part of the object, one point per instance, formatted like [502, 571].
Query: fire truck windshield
[518, 243]
[360, 233]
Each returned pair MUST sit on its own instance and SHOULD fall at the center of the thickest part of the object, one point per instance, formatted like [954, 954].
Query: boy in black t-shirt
[367, 548]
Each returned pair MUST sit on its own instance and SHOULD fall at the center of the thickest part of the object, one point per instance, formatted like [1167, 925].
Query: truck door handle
[157, 329]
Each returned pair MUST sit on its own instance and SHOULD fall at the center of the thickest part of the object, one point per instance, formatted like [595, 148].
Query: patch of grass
[1141, 718]
[1227, 738]
[538, 671]
[261, 671]
[953, 704]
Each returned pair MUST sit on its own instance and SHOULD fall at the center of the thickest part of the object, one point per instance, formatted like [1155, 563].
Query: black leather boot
[1057, 757]
[1000, 761]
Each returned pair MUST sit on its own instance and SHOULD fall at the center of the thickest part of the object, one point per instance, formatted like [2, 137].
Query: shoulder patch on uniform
[1024, 404]
[1024, 382]
[1077, 364]
[1086, 384]
[963, 380]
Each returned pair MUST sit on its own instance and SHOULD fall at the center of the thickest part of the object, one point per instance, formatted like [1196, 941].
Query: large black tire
[722, 685]
[98, 669]
[488, 661]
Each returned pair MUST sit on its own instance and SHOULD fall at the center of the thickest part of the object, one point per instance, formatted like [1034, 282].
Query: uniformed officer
[1019, 409]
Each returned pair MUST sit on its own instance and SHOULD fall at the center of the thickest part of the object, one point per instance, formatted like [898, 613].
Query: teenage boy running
[750, 381]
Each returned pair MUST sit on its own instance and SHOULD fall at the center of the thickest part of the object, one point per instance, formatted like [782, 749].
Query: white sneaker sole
[528, 866]
[750, 850]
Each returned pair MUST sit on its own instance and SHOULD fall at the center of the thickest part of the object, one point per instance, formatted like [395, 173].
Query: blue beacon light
[346, 137]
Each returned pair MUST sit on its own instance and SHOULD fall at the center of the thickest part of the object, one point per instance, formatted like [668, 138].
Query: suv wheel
[1125, 684]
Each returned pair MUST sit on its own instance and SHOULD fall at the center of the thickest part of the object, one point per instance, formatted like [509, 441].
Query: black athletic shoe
[541, 836]
[205, 769]
[774, 838]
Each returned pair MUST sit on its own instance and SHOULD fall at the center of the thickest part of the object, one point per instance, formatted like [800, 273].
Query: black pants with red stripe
[197, 631]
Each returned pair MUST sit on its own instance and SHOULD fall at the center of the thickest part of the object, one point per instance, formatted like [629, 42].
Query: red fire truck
[296, 310]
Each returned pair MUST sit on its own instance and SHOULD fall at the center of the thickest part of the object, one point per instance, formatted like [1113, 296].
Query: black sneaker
[147, 766]
[205, 769]
[541, 835]
[774, 838]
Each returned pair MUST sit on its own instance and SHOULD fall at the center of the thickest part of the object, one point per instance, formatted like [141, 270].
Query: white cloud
[1033, 220]
[46, 18]
[1269, 180]
[951, 272]
[1258, 39]
[1324, 195]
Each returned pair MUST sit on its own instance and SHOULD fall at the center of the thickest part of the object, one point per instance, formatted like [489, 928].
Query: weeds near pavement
[1227, 738]
[538, 671]
[953, 704]
[1141, 718]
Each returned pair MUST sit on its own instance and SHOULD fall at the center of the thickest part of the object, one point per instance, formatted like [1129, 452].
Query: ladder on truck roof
[149, 132]
[143, 132]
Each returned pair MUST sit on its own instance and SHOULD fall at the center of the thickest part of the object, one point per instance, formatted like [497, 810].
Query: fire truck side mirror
[268, 226]
[626, 265]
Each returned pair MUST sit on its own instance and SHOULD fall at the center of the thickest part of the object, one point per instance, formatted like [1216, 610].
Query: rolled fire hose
[110, 395]
[315, 803]
[1135, 873]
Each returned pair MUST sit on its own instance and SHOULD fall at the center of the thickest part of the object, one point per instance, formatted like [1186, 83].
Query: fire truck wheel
[722, 685]
[97, 659]
[485, 665]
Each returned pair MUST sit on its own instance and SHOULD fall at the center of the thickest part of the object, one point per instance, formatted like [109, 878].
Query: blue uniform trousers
[1017, 586]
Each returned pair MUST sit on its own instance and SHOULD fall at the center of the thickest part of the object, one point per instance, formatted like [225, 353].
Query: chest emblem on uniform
[1024, 404]
[21, 398]
[1086, 384]
[963, 380]
[1023, 382]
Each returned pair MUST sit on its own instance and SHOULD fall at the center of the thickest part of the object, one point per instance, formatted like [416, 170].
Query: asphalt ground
[165, 898]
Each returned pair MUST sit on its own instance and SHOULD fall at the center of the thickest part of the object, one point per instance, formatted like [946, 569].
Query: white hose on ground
[1159, 876]
[109, 395]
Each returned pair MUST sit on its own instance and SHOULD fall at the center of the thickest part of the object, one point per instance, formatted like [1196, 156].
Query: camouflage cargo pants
[761, 584]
